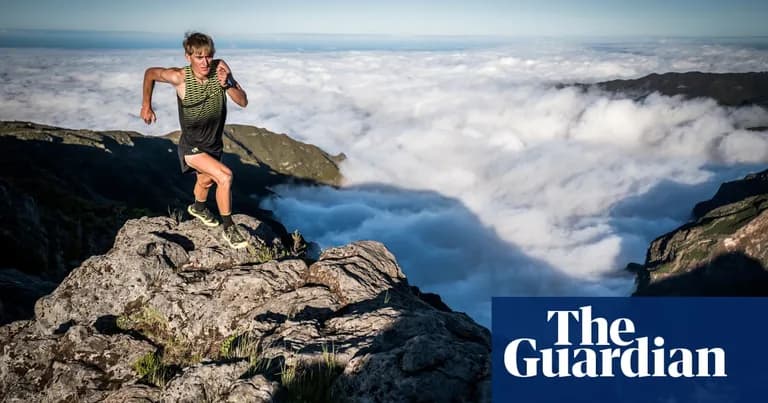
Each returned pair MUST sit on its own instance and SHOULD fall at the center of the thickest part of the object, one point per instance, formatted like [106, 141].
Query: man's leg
[222, 176]
[199, 209]
[209, 167]
[202, 184]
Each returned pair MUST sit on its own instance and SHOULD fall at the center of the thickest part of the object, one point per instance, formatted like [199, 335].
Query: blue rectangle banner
[665, 350]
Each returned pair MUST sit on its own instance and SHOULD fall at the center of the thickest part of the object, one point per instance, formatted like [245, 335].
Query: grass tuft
[176, 214]
[150, 368]
[240, 346]
[266, 253]
[306, 382]
[150, 323]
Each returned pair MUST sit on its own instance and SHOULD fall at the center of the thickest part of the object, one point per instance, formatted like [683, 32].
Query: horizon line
[382, 35]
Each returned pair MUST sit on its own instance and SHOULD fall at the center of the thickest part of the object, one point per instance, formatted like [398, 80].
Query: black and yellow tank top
[202, 112]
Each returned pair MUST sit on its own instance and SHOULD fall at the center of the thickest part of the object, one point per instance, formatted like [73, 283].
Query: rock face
[64, 194]
[723, 251]
[171, 314]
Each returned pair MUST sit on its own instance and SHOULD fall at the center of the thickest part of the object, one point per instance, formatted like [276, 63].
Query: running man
[202, 88]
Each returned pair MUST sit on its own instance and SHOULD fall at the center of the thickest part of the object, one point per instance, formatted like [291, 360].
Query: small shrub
[299, 247]
[265, 253]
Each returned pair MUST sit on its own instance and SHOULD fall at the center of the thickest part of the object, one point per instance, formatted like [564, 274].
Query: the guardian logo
[593, 347]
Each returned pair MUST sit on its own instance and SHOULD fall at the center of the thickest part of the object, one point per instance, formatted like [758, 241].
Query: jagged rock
[218, 383]
[150, 272]
[255, 389]
[60, 367]
[134, 393]
[722, 252]
[218, 324]
[419, 358]
[345, 271]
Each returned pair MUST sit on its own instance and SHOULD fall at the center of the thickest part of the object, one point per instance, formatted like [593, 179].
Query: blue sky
[399, 17]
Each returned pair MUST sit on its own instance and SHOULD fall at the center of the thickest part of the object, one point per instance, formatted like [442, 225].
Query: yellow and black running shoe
[204, 215]
[234, 237]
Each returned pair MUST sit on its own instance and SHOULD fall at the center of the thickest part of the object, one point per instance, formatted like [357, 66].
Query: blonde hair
[196, 42]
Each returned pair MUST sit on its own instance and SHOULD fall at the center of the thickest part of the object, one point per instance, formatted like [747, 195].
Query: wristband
[230, 83]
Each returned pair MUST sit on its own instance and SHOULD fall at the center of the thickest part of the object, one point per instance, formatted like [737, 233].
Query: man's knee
[224, 178]
[204, 181]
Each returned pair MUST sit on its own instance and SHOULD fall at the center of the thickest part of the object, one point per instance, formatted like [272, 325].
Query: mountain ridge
[727, 89]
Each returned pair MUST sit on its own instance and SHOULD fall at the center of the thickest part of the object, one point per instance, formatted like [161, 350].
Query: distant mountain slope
[64, 193]
[729, 89]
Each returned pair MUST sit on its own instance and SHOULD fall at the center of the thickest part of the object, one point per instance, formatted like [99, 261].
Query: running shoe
[234, 237]
[205, 216]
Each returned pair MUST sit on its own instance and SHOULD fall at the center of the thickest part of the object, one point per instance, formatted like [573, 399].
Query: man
[202, 88]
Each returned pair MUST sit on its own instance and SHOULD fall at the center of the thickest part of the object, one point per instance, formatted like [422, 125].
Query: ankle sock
[227, 220]
[199, 205]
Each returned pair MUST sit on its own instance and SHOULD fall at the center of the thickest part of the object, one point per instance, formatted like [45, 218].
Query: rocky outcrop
[171, 314]
[65, 193]
[723, 251]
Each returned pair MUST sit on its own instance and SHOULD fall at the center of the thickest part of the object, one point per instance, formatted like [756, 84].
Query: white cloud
[479, 173]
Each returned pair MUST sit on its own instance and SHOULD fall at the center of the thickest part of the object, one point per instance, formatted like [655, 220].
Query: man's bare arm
[235, 92]
[173, 76]
[238, 95]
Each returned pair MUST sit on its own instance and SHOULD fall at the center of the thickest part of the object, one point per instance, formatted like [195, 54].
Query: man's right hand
[148, 114]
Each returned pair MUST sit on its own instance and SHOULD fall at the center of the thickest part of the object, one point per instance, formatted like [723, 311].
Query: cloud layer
[482, 176]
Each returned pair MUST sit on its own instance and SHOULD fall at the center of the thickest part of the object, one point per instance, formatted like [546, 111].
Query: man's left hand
[222, 71]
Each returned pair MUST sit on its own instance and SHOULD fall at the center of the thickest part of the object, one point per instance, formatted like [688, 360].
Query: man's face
[200, 62]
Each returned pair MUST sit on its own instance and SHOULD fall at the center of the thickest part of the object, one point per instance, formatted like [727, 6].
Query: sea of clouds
[482, 174]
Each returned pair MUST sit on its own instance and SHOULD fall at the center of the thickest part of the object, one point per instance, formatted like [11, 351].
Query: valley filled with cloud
[481, 169]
